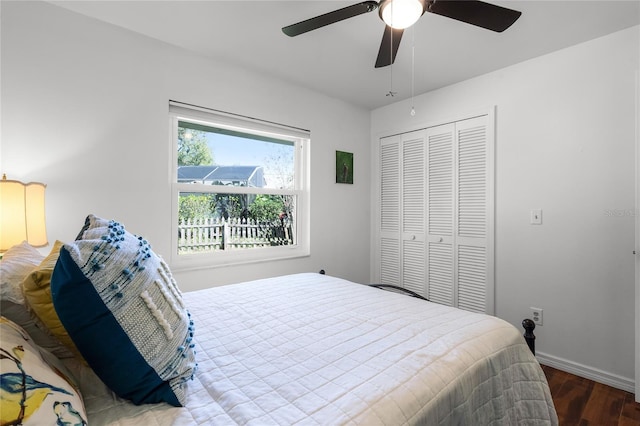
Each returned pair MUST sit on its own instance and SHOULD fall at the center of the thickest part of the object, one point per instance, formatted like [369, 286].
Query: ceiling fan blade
[330, 18]
[478, 13]
[389, 46]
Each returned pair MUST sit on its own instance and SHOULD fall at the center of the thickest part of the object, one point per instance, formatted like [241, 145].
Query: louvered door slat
[389, 187]
[413, 185]
[440, 273]
[472, 171]
[440, 181]
[472, 271]
[389, 261]
[413, 260]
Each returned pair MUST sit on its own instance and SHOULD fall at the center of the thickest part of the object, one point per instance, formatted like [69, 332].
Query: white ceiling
[338, 60]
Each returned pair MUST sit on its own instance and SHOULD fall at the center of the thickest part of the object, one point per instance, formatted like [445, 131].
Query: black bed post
[529, 325]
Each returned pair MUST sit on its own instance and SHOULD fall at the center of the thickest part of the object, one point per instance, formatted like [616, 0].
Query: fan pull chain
[413, 69]
[391, 92]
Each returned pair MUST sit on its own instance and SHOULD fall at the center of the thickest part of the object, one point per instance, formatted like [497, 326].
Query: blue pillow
[123, 310]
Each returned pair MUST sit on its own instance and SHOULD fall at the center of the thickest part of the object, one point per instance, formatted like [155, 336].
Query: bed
[314, 349]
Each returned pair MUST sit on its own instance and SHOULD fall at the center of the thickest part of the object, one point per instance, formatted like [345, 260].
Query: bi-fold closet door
[436, 213]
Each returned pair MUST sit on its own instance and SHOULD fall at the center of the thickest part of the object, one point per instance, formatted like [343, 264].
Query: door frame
[637, 238]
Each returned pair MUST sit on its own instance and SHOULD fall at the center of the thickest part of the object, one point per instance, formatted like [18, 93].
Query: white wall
[564, 143]
[85, 110]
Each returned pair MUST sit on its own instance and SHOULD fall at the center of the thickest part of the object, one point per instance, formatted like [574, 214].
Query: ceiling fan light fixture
[401, 14]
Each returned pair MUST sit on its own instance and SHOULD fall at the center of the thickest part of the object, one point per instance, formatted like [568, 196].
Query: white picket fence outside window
[210, 234]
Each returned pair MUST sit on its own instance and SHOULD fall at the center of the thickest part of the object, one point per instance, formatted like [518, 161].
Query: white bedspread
[312, 349]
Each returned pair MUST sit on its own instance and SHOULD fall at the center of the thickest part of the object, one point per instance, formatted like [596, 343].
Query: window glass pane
[217, 221]
[220, 156]
[240, 184]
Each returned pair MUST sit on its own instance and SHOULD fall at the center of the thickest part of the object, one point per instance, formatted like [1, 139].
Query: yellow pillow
[37, 294]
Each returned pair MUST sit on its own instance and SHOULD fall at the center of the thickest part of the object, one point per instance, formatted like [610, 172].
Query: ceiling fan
[401, 14]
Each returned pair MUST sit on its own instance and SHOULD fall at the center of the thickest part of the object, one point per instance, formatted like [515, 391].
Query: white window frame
[300, 138]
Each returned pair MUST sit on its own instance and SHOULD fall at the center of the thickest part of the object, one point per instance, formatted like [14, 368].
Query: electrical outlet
[536, 315]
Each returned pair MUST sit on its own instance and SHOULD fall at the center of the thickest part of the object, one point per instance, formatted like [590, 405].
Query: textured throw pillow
[16, 263]
[122, 308]
[37, 294]
[35, 381]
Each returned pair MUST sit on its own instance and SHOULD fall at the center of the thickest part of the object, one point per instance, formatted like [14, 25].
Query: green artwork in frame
[344, 167]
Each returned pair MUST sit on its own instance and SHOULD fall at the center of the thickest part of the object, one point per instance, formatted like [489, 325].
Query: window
[240, 189]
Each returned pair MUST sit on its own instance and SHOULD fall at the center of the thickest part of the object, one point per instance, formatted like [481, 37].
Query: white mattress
[312, 349]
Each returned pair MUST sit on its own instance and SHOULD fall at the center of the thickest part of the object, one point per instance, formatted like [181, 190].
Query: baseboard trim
[613, 380]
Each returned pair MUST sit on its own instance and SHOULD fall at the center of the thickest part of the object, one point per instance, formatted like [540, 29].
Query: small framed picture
[344, 167]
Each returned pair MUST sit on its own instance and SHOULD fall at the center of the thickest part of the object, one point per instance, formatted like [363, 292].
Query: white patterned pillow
[34, 388]
[17, 263]
[123, 310]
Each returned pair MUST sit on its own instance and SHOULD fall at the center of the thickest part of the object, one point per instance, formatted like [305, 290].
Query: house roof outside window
[223, 175]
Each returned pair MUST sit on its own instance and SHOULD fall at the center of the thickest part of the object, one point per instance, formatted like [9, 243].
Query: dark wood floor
[582, 402]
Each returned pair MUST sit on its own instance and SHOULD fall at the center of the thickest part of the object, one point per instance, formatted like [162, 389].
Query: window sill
[212, 260]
